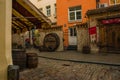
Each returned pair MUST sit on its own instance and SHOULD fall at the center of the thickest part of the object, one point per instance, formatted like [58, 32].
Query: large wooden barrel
[19, 58]
[51, 42]
[32, 60]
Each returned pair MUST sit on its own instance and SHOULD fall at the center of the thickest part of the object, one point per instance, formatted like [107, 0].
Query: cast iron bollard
[13, 72]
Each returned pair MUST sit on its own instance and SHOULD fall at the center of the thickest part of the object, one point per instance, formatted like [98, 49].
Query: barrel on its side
[32, 60]
[51, 42]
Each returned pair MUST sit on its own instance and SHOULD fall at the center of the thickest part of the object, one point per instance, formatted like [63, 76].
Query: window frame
[115, 2]
[48, 10]
[75, 13]
[73, 31]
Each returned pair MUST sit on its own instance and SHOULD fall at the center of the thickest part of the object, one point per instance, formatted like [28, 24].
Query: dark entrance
[110, 37]
[113, 38]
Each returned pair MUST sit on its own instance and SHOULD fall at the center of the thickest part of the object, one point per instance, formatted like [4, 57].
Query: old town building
[68, 14]
[71, 13]
[104, 29]
[74, 13]
[48, 8]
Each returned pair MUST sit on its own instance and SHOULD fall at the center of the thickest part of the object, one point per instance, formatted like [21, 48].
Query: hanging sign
[92, 30]
[93, 34]
[111, 21]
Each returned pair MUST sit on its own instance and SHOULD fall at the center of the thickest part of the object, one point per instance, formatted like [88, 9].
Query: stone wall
[94, 21]
[94, 17]
[82, 37]
[19, 39]
[93, 41]
[43, 33]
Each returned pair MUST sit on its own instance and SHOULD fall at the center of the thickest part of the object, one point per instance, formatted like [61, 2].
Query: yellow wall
[5, 37]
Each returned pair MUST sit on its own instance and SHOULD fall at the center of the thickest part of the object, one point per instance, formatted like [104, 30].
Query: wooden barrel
[19, 58]
[86, 49]
[51, 41]
[32, 60]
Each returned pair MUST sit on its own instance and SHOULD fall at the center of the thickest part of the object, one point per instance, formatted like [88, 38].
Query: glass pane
[78, 15]
[71, 31]
[75, 32]
[72, 16]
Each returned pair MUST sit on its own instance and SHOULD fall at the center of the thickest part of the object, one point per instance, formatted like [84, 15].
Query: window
[75, 13]
[48, 10]
[103, 5]
[55, 10]
[72, 31]
[114, 2]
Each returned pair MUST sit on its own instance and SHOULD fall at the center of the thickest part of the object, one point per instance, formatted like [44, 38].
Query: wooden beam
[20, 22]
[20, 9]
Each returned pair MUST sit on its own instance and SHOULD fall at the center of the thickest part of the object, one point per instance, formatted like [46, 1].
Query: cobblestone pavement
[65, 70]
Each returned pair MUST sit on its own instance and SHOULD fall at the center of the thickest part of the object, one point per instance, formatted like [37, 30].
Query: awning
[26, 16]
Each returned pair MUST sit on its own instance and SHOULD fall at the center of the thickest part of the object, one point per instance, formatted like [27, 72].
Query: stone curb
[81, 61]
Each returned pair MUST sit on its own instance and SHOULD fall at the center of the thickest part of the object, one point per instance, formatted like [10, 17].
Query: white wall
[43, 4]
[5, 37]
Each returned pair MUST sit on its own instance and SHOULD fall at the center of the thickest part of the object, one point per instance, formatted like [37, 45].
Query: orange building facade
[104, 1]
[71, 13]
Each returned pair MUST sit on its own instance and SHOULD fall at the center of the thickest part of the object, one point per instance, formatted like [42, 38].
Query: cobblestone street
[65, 70]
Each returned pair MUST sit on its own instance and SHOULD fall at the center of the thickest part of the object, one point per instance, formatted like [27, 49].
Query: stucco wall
[18, 39]
[42, 4]
[5, 37]
[82, 38]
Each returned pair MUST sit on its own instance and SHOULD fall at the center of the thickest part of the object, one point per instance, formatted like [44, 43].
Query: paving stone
[65, 70]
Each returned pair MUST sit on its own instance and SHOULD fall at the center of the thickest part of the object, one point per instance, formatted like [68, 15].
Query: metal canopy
[26, 16]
